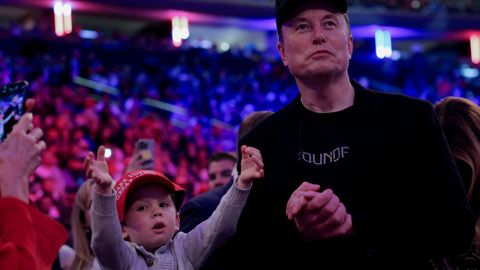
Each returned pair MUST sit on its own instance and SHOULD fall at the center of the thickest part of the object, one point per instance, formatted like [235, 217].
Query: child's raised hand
[98, 171]
[252, 166]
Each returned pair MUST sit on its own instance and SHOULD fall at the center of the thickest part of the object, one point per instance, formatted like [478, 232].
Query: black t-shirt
[326, 146]
[325, 156]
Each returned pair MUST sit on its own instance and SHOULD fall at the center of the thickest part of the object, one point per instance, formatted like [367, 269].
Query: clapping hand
[318, 215]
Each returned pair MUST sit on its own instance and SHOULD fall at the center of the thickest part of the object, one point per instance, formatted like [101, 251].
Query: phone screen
[146, 148]
[12, 99]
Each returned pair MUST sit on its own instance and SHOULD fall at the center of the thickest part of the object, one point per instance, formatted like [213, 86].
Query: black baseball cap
[285, 9]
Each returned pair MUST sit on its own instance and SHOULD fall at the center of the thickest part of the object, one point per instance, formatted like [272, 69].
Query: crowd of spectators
[214, 91]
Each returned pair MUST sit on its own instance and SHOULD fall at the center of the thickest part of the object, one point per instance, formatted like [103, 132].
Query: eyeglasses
[223, 173]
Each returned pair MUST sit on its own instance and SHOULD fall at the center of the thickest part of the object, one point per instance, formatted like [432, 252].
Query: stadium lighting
[383, 44]
[67, 18]
[180, 30]
[185, 32]
[63, 18]
[176, 32]
[58, 13]
[475, 48]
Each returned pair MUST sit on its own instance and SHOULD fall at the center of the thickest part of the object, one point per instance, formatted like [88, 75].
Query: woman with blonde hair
[460, 121]
[83, 257]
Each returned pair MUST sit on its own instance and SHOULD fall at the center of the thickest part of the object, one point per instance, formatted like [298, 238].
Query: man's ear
[350, 47]
[177, 222]
[281, 51]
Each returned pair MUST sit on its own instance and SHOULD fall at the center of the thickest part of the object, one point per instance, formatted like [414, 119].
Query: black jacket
[201, 207]
[402, 189]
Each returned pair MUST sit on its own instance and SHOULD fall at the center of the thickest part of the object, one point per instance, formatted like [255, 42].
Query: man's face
[316, 42]
[219, 172]
[151, 220]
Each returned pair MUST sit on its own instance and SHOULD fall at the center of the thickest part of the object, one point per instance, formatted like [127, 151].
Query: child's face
[152, 219]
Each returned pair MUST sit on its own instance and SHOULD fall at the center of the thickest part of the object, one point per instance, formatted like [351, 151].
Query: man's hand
[300, 198]
[318, 215]
[252, 166]
[98, 171]
[20, 155]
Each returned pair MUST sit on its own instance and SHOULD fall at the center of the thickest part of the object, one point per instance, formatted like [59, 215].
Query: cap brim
[149, 177]
[164, 182]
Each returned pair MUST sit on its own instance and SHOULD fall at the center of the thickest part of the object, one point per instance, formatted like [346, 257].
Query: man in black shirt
[354, 179]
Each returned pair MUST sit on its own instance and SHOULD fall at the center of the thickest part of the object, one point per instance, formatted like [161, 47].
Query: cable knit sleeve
[108, 245]
[199, 243]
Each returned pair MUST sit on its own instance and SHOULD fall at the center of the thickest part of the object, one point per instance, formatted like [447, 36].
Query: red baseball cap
[132, 180]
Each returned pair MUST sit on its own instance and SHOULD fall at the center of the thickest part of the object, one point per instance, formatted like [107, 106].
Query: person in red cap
[135, 223]
[29, 239]
[354, 178]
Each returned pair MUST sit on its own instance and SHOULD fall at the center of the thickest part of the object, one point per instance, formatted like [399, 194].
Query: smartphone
[12, 103]
[146, 148]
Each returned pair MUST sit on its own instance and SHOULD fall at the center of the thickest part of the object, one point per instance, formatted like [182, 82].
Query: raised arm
[20, 155]
[213, 232]
[107, 243]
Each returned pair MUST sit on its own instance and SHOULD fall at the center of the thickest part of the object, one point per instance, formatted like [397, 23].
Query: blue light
[388, 44]
[88, 34]
[469, 73]
[379, 44]
[383, 44]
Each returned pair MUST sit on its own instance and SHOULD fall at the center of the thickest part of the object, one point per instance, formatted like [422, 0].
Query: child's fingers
[89, 173]
[101, 153]
[259, 173]
[98, 179]
[254, 151]
[248, 151]
[93, 175]
[88, 160]
[243, 149]
[258, 161]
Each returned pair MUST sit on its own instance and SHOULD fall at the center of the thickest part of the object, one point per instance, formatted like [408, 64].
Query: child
[148, 204]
